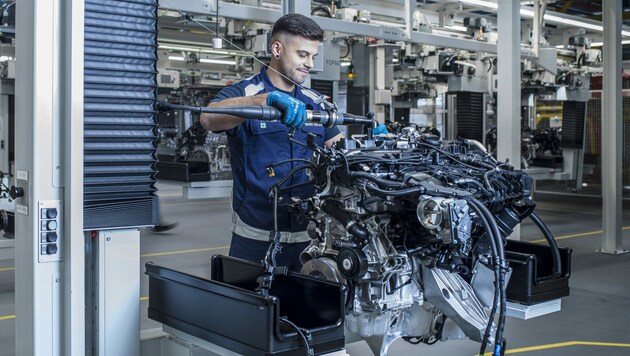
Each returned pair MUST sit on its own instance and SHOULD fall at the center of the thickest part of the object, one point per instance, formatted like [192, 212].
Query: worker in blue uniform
[254, 144]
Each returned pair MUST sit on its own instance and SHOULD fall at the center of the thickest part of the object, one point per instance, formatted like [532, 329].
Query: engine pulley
[352, 263]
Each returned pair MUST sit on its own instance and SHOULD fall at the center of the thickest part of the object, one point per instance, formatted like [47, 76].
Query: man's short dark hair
[298, 25]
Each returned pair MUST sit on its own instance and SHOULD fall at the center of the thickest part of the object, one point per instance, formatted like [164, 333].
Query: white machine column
[509, 87]
[116, 292]
[612, 139]
[50, 265]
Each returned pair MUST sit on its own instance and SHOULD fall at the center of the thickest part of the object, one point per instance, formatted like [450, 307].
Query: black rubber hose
[334, 209]
[497, 295]
[500, 260]
[487, 181]
[381, 182]
[555, 251]
[483, 190]
[397, 193]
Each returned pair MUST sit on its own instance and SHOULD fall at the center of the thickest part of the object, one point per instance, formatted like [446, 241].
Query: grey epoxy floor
[598, 309]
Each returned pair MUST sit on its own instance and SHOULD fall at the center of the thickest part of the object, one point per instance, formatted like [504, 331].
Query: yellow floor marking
[144, 298]
[576, 235]
[185, 251]
[7, 317]
[161, 254]
[560, 344]
[210, 202]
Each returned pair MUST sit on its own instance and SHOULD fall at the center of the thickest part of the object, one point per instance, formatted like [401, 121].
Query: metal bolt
[109, 239]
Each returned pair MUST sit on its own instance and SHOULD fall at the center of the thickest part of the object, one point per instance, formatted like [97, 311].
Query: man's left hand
[380, 129]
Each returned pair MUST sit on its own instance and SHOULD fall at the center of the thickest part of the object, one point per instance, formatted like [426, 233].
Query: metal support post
[50, 274]
[612, 139]
[296, 7]
[509, 92]
[379, 83]
[410, 6]
[537, 23]
[372, 78]
[71, 105]
[4, 133]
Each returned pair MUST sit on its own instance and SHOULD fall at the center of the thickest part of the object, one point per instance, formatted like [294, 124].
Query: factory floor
[593, 320]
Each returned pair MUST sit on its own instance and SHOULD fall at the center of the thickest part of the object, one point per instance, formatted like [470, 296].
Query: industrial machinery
[417, 234]
[186, 151]
[415, 227]
[199, 145]
[7, 215]
[539, 147]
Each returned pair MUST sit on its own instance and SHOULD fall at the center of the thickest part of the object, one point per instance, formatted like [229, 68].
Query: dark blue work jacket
[255, 144]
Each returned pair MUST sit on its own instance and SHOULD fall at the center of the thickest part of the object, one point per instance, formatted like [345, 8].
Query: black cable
[413, 265]
[348, 47]
[289, 175]
[555, 251]
[479, 186]
[2, 185]
[346, 160]
[474, 204]
[500, 260]
[292, 160]
[449, 155]
[296, 185]
[309, 348]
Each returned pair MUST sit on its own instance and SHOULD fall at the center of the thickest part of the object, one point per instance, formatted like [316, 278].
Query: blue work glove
[380, 129]
[294, 110]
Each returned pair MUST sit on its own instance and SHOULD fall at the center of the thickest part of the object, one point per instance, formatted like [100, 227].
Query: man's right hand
[294, 110]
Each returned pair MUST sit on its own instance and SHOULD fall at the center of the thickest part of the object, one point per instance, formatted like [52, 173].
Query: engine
[200, 145]
[415, 227]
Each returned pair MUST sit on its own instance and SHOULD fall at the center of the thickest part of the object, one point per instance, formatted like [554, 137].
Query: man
[256, 144]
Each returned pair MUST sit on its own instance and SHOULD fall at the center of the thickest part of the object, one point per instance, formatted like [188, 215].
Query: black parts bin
[532, 266]
[226, 310]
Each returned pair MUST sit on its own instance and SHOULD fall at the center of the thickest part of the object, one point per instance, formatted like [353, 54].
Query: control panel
[50, 230]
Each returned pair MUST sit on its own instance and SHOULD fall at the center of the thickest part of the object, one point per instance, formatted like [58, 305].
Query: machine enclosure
[225, 310]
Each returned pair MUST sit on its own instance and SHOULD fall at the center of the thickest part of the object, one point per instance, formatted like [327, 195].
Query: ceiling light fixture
[200, 50]
[601, 44]
[548, 17]
[457, 28]
[217, 61]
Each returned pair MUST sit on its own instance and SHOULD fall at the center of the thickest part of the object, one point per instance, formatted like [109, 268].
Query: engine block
[406, 224]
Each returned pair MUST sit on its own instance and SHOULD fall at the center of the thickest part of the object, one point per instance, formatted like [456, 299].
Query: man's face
[296, 57]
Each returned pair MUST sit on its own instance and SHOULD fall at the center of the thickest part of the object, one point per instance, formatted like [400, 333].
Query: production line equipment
[410, 228]
[186, 151]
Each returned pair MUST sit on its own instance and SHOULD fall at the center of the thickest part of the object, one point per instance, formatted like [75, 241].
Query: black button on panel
[51, 213]
[51, 237]
[51, 249]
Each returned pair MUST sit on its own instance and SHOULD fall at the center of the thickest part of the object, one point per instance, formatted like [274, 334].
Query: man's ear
[276, 48]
